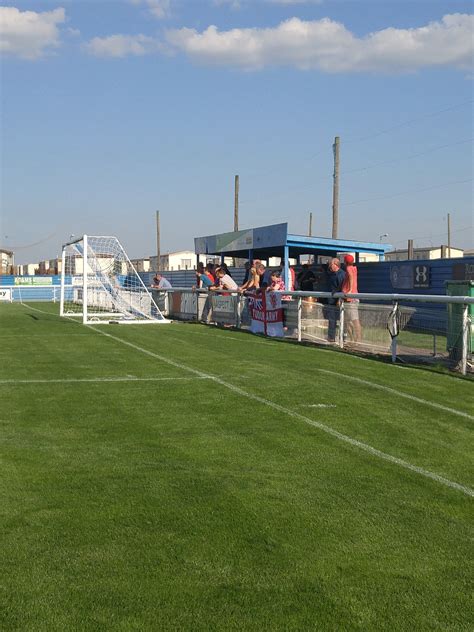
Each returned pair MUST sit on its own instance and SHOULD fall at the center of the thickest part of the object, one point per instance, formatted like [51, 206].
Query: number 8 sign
[421, 276]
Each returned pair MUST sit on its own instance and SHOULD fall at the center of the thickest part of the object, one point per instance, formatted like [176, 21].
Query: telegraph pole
[158, 252]
[335, 190]
[310, 234]
[449, 235]
[236, 204]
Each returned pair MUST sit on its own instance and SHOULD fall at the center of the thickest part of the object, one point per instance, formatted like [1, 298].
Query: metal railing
[30, 293]
[405, 327]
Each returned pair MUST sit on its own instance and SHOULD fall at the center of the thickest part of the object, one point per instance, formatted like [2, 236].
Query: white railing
[27, 293]
[406, 327]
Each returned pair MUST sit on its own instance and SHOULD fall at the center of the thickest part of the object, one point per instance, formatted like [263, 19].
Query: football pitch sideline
[184, 477]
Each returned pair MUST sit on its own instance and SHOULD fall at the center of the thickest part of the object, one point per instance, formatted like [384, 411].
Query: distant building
[50, 266]
[27, 269]
[436, 252]
[180, 260]
[141, 265]
[363, 257]
[7, 261]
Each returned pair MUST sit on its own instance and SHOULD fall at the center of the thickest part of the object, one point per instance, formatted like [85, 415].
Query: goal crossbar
[99, 283]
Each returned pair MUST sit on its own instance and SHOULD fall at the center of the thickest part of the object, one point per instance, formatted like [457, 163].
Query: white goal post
[100, 284]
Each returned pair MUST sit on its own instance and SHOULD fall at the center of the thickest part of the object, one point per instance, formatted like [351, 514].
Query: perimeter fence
[407, 328]
[31, 293]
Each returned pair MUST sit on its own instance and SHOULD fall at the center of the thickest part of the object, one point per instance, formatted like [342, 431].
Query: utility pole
[236, 204]
[335, 190]
[310, 230]
[158, 251]
[410, 249]
[449, 235]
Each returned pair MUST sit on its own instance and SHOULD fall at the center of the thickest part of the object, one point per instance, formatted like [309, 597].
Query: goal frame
[103, 317]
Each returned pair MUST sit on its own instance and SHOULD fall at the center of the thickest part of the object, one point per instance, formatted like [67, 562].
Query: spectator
[306, 278]
[336, 278]
[277, 284]
[210, 272]
[225, 281]
[351, 309]
[224, 267]
[199, 272]
[253, 281]
[247, 267]
[160, 283]
[204, 281]
[263, 278]
[291, 275]
[160, 296]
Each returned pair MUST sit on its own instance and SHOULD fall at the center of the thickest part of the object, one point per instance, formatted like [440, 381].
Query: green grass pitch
[182, 477]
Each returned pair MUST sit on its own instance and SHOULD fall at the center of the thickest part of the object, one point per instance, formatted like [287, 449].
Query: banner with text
[266, 314]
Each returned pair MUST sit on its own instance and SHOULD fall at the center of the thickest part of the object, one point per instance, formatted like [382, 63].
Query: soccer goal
[100, 284]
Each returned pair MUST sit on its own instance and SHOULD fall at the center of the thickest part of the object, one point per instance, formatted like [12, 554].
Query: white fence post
[300, 307]
[63, 282]
[239, 311]
[393, 329]
[341, 324]
[466, 332]
[85, 273]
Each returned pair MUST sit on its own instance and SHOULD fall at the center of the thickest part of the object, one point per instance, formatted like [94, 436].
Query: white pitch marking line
[349, 377]
[379, 386]
[317, 405]
[291, 413]
[398, 393]
[7, 336]
[128, 378]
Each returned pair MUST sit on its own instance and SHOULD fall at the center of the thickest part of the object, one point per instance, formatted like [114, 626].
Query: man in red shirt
[351, 307]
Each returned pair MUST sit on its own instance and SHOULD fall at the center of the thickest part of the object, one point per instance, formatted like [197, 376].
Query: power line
[366, 168]
[419, 190]
[36, 243]
[458, 230]
[395, 160]
[409, 122]
[369, 136]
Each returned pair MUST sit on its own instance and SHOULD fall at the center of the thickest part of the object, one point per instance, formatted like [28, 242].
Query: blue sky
[112, 110]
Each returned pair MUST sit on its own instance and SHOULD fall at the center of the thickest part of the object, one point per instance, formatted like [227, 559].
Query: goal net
[100, 284]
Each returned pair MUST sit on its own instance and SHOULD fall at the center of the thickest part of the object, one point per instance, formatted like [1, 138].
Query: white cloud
[328, 46]
[122, 45]
[158, 8]
[28, 34]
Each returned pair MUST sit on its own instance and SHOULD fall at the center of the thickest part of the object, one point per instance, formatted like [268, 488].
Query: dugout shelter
[275, 241]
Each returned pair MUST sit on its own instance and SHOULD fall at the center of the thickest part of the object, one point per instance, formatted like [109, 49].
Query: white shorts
[351, 311]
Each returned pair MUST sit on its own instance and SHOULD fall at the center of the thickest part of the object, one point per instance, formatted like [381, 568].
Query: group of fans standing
[341, 278]
[258, 278]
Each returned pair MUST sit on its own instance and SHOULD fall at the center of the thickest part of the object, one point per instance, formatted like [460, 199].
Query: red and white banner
[266, 314]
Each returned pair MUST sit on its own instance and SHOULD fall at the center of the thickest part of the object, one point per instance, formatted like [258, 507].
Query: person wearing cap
[351, 308]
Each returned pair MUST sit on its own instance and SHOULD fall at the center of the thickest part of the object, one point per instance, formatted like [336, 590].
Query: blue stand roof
[271, 241]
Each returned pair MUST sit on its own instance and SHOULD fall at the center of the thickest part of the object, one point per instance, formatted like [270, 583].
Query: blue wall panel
[379, 278]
